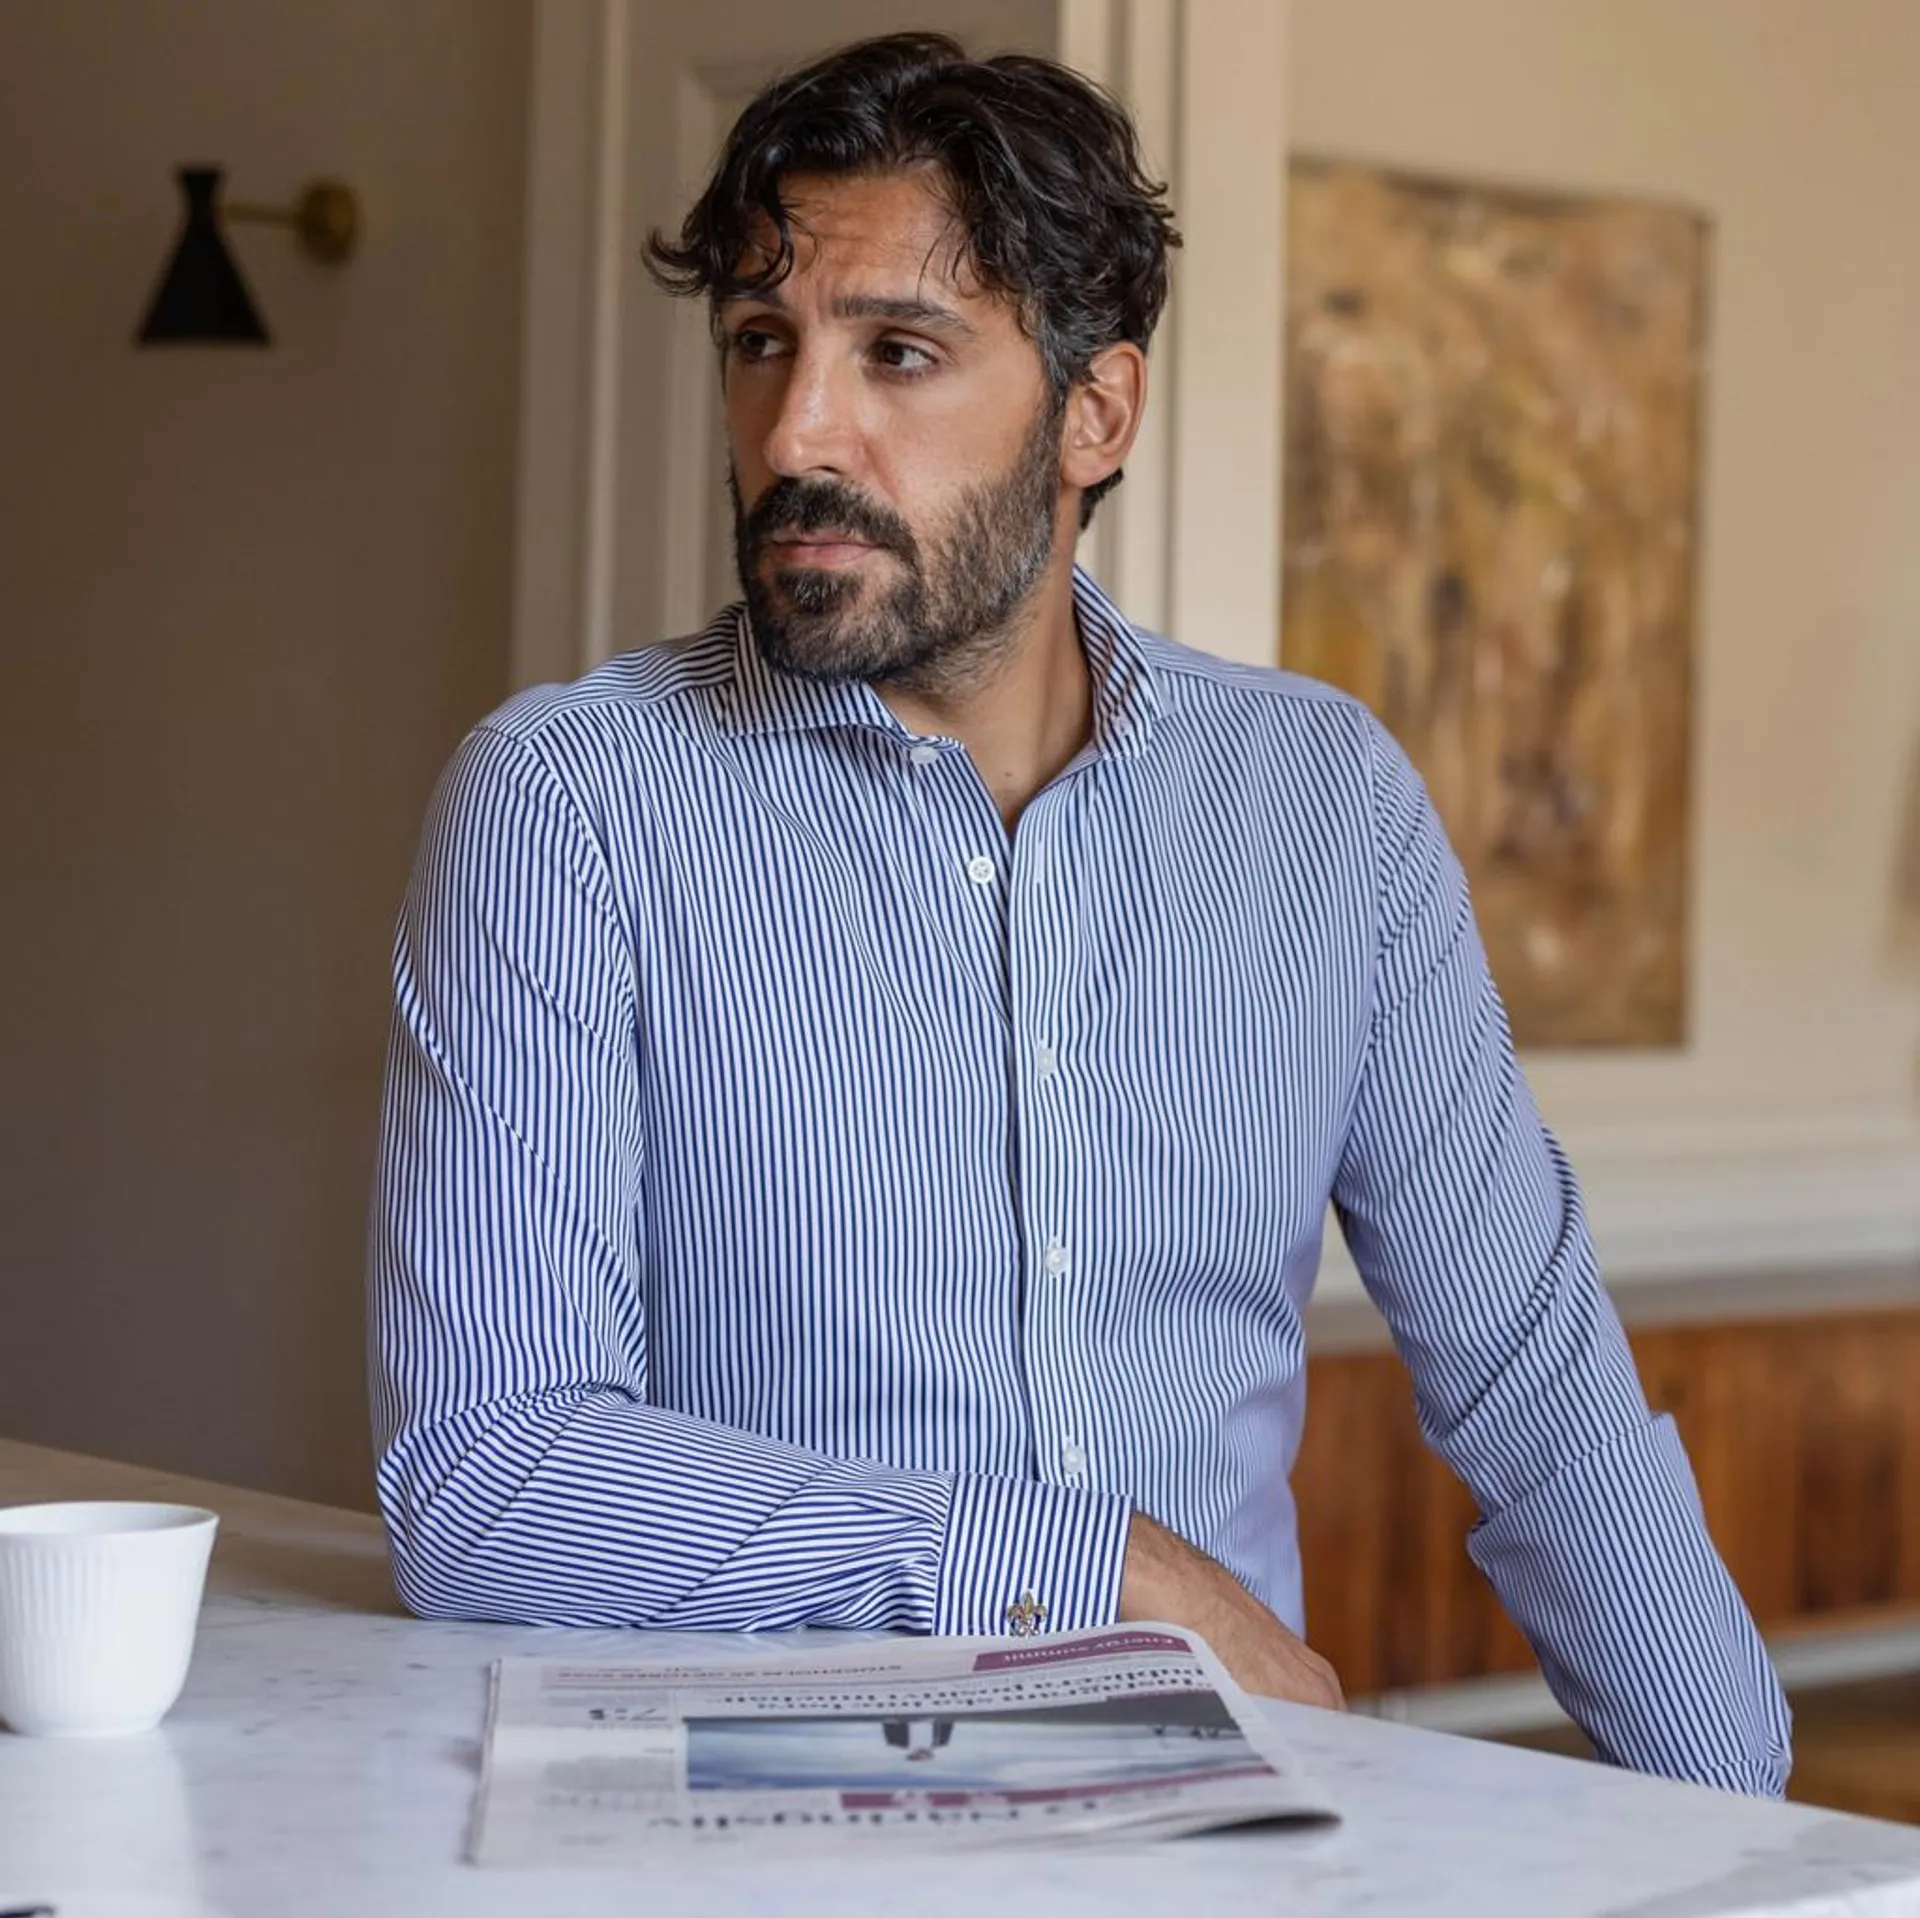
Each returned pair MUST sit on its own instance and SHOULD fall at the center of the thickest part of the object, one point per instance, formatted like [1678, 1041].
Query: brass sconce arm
[325, 219]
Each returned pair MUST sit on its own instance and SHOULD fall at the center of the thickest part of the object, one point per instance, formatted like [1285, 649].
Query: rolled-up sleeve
[1467, 1226]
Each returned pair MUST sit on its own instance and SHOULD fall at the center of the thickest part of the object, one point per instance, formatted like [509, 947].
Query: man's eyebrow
[928, 315]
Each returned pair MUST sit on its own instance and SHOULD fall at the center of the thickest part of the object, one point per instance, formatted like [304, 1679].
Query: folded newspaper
[1131, 1731]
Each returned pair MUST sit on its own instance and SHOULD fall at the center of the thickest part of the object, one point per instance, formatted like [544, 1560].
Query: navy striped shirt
[803, 1202]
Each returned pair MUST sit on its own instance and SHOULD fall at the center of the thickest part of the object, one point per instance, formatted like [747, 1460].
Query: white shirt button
[1046, 1060]
[923, 754]
[1073, 1459]
[980, 869]
[1056, 1258]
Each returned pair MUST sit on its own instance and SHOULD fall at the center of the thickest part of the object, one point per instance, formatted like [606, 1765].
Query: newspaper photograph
[1130, 1731]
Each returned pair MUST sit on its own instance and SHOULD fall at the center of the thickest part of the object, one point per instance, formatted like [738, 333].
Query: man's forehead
[891, 232]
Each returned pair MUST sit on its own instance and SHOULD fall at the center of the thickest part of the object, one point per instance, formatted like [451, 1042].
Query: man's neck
[1028, 714]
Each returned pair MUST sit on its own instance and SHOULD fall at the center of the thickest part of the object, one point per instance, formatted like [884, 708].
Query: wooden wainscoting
[1804, 1434]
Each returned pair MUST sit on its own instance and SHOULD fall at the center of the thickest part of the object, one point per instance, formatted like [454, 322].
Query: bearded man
[868, 1078]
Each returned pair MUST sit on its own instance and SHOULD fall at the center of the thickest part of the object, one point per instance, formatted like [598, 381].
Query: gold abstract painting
[1493, 417]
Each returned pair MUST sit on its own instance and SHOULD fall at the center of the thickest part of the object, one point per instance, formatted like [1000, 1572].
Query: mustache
[820, 505]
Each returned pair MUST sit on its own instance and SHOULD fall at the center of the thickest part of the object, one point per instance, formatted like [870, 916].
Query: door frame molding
[1191, 543]
[571, 290]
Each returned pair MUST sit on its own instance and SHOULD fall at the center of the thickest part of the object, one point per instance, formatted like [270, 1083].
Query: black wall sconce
[201, 298]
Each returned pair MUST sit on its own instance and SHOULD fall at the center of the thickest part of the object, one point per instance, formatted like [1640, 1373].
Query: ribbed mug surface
[98, 1602]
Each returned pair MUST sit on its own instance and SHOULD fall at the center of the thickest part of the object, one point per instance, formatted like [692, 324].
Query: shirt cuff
[1021, 1556]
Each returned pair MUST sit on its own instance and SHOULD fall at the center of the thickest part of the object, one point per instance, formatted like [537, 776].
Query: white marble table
[323, 1757]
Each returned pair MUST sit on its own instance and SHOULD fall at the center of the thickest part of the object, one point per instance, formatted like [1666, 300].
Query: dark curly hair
[1042, 167]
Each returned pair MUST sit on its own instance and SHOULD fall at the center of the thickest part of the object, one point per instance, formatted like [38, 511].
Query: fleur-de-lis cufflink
[1025, 1615]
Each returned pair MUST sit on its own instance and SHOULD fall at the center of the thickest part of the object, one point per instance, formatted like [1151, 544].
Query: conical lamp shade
[201, 296]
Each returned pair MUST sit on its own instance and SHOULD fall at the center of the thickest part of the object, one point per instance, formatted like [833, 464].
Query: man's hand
[1165, 1578]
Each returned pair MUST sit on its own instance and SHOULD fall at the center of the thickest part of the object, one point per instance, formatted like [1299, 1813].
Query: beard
[949, 615]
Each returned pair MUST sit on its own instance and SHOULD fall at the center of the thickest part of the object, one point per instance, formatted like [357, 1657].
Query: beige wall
[1792, 126]
[248, 602]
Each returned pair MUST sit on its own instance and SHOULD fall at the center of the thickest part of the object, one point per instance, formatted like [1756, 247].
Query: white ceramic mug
[98, 1602]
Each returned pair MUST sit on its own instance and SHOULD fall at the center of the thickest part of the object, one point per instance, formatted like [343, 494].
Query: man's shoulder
[1233, 693]
[668, 686]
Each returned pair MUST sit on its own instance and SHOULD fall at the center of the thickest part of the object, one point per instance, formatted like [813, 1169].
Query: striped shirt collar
[1127, 695]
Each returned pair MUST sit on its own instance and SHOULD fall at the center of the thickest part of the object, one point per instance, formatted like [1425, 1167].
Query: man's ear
[1103, 415]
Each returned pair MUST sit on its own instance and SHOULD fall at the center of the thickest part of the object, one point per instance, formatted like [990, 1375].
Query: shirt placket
[1046, 1171]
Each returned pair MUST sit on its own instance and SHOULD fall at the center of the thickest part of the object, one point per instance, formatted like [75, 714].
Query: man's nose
[812, 431]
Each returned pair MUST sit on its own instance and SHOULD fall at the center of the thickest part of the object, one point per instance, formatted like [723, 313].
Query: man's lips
[822, 549]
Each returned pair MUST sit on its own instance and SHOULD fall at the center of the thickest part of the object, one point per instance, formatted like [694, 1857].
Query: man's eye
[752, 343]
[902, 356]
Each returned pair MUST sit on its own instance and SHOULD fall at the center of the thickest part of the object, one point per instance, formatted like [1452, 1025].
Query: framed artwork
[1493, 421]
